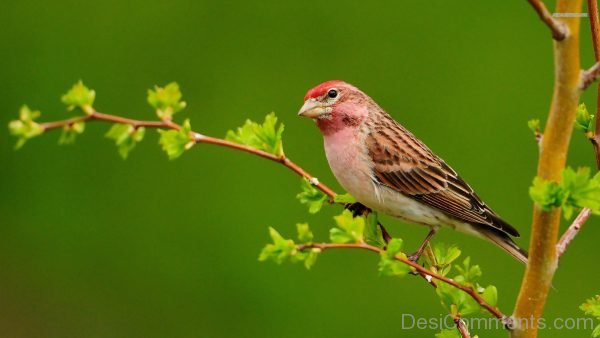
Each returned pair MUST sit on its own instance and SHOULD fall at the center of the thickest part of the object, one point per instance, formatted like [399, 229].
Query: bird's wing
[403, 163]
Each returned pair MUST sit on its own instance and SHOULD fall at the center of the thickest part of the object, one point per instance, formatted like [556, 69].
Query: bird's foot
[358, 209]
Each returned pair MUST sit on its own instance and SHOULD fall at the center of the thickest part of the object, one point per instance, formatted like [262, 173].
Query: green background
[94, 246]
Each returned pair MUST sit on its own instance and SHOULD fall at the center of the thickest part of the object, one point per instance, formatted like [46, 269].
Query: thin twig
[462, 328]
[590, 75]
[558, 29]
[595, 28]
[572, 231]
[198, 138]
[422, 270]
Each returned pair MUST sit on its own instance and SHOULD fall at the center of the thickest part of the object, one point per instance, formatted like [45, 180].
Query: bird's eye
[332, 93]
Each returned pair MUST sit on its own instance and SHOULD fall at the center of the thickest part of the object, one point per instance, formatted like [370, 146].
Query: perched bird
[386, 168]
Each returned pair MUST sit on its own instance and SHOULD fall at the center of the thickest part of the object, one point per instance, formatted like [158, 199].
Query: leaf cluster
[25, 127]
[80, 96]
[591, 307]
[311, 196]
[389, 265]
[584, 121]
[576, 190]
[166, 100]
[126, 137]
[348, 229]
[282, 249]
[175, 142]
[70, 132]
[266, 136]
[454, 300]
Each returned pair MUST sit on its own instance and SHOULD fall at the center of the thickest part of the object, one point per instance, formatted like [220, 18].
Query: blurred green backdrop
[94, 246]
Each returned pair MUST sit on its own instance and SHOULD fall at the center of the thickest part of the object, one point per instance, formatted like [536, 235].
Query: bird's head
[335, 105]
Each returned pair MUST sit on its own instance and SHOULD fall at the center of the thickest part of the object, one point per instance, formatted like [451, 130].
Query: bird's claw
[357, 209]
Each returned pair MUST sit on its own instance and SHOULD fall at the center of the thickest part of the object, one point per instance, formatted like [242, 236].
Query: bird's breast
[349, 160]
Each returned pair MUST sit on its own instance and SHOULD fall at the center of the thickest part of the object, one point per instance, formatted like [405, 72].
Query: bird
[389, 170]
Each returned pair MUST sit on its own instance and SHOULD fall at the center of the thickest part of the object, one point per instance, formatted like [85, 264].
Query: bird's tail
[507, 244]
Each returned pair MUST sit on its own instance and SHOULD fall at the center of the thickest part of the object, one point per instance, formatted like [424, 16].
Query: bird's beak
[313, 109]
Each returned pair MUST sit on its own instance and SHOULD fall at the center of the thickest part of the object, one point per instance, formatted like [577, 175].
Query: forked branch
[558, 29]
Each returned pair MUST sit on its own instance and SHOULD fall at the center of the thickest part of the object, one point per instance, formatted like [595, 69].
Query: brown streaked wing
[405, 164]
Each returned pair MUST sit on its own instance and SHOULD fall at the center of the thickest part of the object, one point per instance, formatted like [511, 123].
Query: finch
[387, 169]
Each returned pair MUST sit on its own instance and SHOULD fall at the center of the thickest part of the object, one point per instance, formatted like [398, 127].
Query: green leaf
[490, 295]
[448, 333]
[391, 267]
[468, 274]
[175, 142]
[280, 250]
[349, 229]
[373, 234]
[344, 199]
[126, 137]
[166, 100]
[580, 190]
[546, 194]
[388, 264]
[576, 190]
[311, 258]
[80, 96]
[311, 196]
[283, 249]
[444, 257]
[25, 127]
[304, 233]
[394, 247]
[534, 125]
[591, 307]
[266, 136]
[456, 300]
[70, 132]
[583, 119]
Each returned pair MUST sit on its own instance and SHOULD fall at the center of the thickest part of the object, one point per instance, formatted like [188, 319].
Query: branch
[197, 138]
[595, 28]
[462, 328]
[420, 269]
[558, 29]
[590, 75]
[572, 231]
[543, 259]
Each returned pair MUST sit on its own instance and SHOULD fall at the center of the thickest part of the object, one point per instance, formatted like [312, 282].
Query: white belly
[348, 161]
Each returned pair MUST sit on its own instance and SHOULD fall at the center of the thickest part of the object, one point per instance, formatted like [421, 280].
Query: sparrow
[387, 169]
